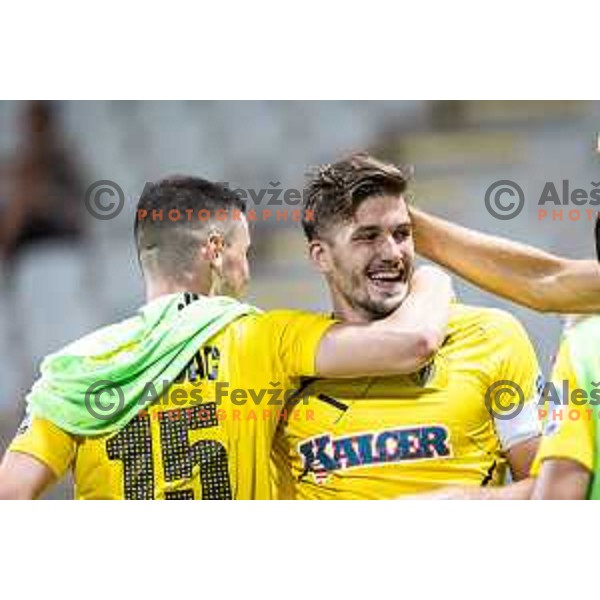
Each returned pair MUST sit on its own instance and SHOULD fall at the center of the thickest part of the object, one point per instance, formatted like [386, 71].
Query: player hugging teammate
[396, 379]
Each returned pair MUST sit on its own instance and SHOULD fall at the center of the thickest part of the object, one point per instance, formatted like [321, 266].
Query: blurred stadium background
[64, 273]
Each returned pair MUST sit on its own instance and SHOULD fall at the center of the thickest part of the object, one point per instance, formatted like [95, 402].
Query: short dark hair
[335, 191]
[171, 246]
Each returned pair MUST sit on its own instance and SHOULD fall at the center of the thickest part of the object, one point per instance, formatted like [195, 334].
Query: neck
[155, 288]
[344, 311]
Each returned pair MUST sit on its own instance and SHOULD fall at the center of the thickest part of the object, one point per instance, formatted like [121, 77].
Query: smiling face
[368, 260]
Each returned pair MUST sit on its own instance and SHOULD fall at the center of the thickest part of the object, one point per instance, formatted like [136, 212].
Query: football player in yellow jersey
[388, 437]
[198, 438]
[565, 461]
[544, 282]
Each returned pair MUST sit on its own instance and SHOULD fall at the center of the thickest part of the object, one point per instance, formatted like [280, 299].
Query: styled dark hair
[335, 191]
[169, 245]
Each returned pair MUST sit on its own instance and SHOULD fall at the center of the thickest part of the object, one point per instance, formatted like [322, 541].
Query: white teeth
[385, 276]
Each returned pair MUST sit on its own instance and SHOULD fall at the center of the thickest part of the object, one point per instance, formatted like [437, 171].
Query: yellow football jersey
[210, 434]
[395, 436]
[568, 429]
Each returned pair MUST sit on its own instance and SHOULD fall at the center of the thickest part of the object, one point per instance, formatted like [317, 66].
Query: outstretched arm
[23, 477]
[519, 457]
[518, 272]
[514, 491]
[561, 479]
[402, 343]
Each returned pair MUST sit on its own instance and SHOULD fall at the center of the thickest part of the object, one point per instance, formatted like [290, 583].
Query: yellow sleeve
[520, 364]
[568, 431]
[296, 336]
[517, 382]
[46, 442]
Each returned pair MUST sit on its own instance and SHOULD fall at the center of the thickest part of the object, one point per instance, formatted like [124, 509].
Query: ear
[320, 254]
[212, 249]
[212, 253]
